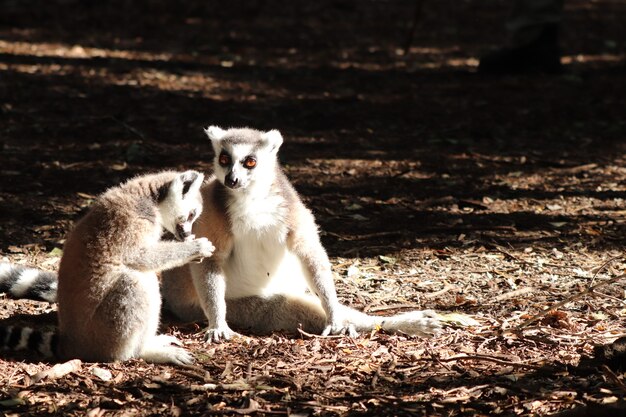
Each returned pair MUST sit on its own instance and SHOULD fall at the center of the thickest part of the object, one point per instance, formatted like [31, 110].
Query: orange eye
[249, 162]
[224, 159]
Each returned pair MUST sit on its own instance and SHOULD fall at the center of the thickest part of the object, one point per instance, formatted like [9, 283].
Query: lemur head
[181, 204]
[244, 157]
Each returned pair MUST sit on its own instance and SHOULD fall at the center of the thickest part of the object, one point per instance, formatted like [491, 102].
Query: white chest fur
[257, 214]
[260, 263]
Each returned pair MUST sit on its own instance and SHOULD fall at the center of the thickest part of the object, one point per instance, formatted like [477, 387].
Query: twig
[11, 377]
[493, 359]
[510, 255]
[57, 371]
[523, 261]
[366, 236]
[476, 357]
[447, 287]
[389, 307]
[602, 267]
[610, 297]
[318, 336]
[547, 311]
[195, 368]
[192, 375]
[428, 230]
[611, 375]
[435, 358]
[575, 169]
[514, 293]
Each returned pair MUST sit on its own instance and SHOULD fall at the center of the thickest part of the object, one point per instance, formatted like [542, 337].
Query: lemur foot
[344, 329]
[159, 349]
[221, 333]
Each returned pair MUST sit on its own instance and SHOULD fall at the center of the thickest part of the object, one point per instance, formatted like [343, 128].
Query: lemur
[108, 291]
[268, 254]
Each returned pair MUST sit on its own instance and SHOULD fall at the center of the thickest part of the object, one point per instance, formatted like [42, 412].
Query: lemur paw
[179, 356]
[204, 248]
[344, 329]
[221, 333]
[159, 349]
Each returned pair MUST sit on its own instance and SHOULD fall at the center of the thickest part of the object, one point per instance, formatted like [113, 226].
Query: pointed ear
[186, 182]
[273, 138]
[216, 134]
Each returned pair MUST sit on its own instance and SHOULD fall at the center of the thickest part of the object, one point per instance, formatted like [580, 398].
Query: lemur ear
[186, 182]
[215, 133]
[273, 138]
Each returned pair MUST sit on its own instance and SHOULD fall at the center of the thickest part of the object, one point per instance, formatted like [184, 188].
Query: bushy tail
[23, 282]
[25, 338]
[415, 323]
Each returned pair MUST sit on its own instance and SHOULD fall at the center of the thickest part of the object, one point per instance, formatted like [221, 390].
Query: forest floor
[497, 198]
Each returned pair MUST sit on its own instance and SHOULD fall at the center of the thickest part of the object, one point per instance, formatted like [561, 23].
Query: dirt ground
[498, 198]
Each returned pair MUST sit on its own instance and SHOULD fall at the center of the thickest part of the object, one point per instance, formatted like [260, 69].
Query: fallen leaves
[449, 207]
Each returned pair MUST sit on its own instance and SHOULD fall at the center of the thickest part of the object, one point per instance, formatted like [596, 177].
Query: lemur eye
[224, 159]
[192, 216]
[249, 162]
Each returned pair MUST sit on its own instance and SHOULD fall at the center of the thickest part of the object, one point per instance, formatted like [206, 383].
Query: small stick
[610, 297]
[593, 279]
[57, 371]
[389, 307]
[192, 375]
[442, 291]
[318, 336]
[547, 311]
[490, 359]
[513, 294]
[611, 375]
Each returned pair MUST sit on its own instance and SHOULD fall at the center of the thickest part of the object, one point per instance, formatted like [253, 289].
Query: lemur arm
[210, 284]
[168, 254]
[305, 243]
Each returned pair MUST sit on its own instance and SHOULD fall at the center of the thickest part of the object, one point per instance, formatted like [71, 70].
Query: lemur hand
[204, 249]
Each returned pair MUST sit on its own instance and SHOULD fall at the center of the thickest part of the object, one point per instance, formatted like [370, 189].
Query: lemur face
[243, 157]
[182, 204]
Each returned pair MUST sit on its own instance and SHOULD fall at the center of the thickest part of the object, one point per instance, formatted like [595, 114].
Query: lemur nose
[181, 232]
[231, 181]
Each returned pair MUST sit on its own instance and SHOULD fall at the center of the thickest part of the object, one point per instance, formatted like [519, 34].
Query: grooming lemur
[268, 253]
[108, 291]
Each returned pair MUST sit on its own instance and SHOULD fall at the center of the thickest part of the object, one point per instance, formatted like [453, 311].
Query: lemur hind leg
[116, 327]
[278, 312]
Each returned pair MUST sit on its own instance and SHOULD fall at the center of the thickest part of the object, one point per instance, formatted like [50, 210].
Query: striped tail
[23, 282]
[16, 338]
